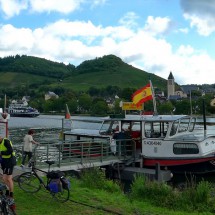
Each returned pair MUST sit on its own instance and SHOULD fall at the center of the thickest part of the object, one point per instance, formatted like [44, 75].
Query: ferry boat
[21, 109]
[179, 143]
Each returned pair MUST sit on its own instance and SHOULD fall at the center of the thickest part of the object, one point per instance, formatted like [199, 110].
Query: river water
[47, 128]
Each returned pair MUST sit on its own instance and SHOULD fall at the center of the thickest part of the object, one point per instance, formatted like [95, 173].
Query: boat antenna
[204, 114]
[191, 111]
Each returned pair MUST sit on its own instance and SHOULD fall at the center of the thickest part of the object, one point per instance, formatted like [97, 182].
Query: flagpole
[153, 98]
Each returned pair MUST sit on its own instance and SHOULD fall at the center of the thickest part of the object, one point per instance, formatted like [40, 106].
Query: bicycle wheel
[62, 196]
[6, 210]
[29, 182]
[3, 208]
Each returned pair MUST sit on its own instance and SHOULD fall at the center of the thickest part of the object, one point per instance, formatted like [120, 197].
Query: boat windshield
[109, 126]
[156, 129]
[183, 125]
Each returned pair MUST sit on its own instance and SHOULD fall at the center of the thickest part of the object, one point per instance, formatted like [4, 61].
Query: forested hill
[100, 72]
[35, 66]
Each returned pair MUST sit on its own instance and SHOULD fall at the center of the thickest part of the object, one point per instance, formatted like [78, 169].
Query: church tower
[170, 85]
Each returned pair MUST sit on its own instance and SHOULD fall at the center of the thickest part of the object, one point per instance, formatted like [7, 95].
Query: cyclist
[7, 164]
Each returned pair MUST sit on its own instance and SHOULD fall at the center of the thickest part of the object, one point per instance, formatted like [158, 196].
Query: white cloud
[62, 6]
[129, 19]
[157, 25]
[13, 7]
[96, 3]
[205, 26]
[200, 14]
[76, 41]
[184, 30]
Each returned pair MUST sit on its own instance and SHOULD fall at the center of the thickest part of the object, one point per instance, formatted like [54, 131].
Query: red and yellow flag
[142, 95]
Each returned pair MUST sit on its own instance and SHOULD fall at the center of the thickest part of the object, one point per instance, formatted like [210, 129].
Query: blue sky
[157, 36]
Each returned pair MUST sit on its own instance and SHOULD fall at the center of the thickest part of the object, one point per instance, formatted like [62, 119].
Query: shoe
[10, 201]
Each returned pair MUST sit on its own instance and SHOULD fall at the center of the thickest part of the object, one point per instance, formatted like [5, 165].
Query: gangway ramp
[75, 155]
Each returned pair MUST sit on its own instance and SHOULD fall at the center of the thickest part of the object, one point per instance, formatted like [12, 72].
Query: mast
[5, 101]
[191, 111]
[153, 98]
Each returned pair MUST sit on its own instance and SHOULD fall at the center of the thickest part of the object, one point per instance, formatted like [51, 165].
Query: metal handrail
[80, 152]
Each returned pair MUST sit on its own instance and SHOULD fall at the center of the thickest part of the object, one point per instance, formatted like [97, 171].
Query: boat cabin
[170, 140]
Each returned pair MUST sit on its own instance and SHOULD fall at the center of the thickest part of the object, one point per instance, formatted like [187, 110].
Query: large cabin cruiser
[21, 109]
[178, 143]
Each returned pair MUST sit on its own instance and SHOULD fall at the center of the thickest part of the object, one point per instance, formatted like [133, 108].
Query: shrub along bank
[94, 194]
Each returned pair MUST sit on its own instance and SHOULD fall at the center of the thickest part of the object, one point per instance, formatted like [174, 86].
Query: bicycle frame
[32, 182]
[34, 171]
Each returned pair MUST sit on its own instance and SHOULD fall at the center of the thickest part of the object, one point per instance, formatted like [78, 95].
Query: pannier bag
[55, 174]
[55, 185]
[65, 183]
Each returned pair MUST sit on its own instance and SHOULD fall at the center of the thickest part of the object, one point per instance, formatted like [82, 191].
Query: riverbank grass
[94, 194]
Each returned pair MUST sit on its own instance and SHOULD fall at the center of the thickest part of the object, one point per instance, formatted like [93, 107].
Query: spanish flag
[142, 95]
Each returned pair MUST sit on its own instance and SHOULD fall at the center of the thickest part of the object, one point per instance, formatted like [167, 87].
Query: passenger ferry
[178, 143]
[21, 109]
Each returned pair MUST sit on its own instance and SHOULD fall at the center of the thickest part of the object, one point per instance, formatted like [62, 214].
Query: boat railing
[80, 152]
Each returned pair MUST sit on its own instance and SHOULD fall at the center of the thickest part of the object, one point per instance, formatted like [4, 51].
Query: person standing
[28, 141]
[7, 165]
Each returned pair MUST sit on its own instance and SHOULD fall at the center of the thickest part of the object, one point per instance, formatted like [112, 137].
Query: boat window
[184, 125]
[108, 127]
[126, 126]
[174, 128]
[185, 148]
[156, 129]
[192, 124]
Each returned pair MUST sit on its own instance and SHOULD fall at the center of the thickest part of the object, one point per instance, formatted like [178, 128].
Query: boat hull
[24, 114]
[182, 166]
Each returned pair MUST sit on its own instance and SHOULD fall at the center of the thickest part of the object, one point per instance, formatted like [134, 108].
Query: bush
[153, 191]
[192, 198]
[94, 178]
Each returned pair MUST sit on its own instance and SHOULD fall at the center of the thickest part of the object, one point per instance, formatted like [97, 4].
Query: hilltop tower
[170, 85]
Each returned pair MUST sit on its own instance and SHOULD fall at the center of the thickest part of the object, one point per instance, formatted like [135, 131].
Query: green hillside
[100, 72]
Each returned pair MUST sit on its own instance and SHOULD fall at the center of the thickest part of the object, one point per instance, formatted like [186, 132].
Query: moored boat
[174, 142]
[22, 110]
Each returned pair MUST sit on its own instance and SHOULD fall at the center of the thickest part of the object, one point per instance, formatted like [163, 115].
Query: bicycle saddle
[50, 162]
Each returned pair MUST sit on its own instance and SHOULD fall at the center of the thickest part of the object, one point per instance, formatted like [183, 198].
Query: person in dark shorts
[7, 165]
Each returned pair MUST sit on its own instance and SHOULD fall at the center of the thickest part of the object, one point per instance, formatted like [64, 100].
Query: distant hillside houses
[186, 90]
[51, 95]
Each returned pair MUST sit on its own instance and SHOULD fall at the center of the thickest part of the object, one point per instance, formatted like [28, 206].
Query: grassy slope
[121, 75]
[92, 202]
[123, 78]
[11, 79]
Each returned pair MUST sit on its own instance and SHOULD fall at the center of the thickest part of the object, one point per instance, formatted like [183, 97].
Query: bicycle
[5, 208]
[31, 182]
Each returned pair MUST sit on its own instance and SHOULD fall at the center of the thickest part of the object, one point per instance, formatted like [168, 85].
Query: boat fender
[118, 166]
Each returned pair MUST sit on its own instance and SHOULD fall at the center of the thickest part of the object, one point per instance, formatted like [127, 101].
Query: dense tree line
[34, 65]
[105, 101]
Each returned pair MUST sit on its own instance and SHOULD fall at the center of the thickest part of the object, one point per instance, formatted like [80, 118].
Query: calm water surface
[47, 128]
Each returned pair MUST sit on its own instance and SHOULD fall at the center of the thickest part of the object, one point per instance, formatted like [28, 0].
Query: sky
[157, 36]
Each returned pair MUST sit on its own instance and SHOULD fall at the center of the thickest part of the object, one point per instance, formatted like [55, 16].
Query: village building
[51, 95]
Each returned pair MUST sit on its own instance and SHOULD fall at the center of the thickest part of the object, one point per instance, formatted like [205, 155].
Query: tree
[165, 108]
[85, 102]
[100, 108]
